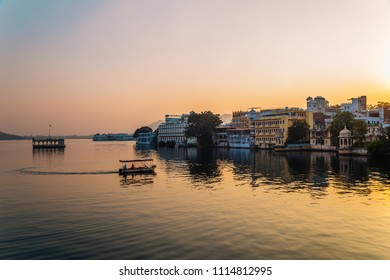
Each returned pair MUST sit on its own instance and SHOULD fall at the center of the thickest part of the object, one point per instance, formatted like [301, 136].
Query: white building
[358, 104]
[317, 105]
[173, 129]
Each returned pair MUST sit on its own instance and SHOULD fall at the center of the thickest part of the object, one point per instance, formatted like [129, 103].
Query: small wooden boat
[137, 166]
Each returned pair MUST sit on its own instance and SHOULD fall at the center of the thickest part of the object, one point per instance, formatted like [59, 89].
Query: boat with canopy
[136, 166]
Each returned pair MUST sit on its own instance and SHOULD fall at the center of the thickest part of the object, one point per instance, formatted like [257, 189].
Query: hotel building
[173, 129]
[271, 126]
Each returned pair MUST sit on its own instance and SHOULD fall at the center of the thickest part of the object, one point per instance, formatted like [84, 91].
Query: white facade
[173, 129]
[358, 104]
[145, 138]
[372, 120]
[317, 105]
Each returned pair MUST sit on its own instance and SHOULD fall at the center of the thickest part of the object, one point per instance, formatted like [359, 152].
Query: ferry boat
[48, 143]
[112, 137]
[137, 166]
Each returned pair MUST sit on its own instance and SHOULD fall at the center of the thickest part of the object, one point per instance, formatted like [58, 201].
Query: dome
[345, 133]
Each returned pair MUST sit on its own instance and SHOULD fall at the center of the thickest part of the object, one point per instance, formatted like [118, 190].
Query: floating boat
[137, 166]
[48, 143]
[112, 137]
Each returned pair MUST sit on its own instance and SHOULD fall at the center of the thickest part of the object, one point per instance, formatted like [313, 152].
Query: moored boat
[137, 166]
[112, 137]
[48, 143]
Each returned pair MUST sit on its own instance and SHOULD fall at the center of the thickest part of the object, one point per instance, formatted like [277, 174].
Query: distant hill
[155, 124]
[6, 136]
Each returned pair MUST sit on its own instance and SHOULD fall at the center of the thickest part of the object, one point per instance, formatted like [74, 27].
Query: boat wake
[29, 170]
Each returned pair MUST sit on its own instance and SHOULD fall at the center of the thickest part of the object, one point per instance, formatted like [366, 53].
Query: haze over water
[210, 204]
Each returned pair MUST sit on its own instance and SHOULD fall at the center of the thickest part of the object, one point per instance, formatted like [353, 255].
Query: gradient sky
[93, 66]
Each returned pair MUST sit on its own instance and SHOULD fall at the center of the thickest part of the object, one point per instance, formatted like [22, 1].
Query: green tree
[340, 120]
[202, 125]
[298, 132]
[379, 105]
[359, 130]
[379, 148]
[347, 119]
[143, 129]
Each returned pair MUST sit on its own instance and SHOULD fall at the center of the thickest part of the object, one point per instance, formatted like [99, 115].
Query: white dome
[345, 133]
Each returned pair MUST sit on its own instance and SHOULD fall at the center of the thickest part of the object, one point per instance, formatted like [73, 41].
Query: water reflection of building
[308, 172]
[320, 165]
[51, 154]
[353, 169]
[200, 164]
[169, 154]
[289, 172]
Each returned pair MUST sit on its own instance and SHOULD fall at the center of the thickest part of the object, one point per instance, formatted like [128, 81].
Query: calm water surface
[211, 204]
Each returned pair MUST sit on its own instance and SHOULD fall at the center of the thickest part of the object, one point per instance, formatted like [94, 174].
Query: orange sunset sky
[94, 66]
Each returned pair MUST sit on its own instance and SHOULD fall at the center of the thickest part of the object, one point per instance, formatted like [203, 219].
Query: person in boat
[124, 167]
[132, 166]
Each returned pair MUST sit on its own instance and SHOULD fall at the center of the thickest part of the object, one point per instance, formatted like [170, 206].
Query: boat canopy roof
[136, 160]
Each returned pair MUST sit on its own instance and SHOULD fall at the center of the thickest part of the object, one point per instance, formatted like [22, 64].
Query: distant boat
[48, 143]
[138, 166]
[112, 137]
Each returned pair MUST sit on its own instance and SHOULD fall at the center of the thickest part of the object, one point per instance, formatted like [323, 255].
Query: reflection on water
[136, 180]
[289, 172]
[48, 154]
[200, 204]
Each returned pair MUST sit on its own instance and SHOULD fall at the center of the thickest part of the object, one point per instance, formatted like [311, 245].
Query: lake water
[201, 204]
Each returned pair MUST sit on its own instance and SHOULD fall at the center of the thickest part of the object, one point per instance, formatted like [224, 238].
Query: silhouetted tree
[143, 129]
[379, 148]
[298, 132]
[379, 105]
[359, 130]
[339, 121]
[347, 119]
[202, 125]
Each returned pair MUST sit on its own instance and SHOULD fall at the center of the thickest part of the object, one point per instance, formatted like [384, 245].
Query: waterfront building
[345, 139]
[320, 137]
[220, 136]
[241, 119]
[271, 124]
[145, 138]
[112, 137]
[239, 138]
[173, 129]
